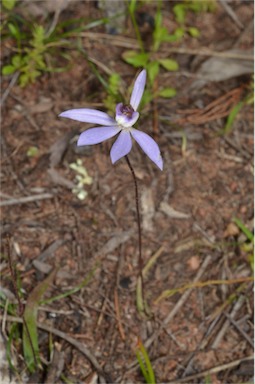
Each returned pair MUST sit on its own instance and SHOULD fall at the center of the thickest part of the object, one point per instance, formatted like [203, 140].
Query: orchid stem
[139, 227]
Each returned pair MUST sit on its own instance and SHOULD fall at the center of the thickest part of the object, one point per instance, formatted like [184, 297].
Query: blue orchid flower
[126, 117]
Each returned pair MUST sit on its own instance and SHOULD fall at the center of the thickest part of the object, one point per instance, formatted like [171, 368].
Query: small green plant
[145, 364]
[248, 245]
[197, 6]
[32, 51]
[34, 47]
[247, 100]
[112, 92]
[30, 61]
[150, 59]
[32, 151]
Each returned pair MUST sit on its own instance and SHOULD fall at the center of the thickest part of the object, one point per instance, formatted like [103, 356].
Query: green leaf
[136, 59]
[231, 118]
[180, 13]
[112, 92]
[145, 364]
[171, 38]
[40, 64]
[9, 4]
[160, 34]
[83, 284]
[169, 64]
[142, 367]
[167, 92]
[179, 33]
[251, 260]
[14, 30]
[38, 34]
[158, 19]
[194, 32]
[30, 334]
[57, 69]
[12, 335]
[23, 80]
[8, 70]
[132, 6]
[159, 31]
[114, 83]
[17, 61]
[32, 151]
[195, 6]
[202, 6]
[35, 74]
[153, 70]
[244, 229]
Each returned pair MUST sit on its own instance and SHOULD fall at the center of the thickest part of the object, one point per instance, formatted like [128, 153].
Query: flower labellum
[126, 117]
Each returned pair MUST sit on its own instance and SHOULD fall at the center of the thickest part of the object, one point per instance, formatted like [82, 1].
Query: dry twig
[244, 334]
[26, 199]
[217, 369]
[231, 13]
[117, 309]
[126, 42]
[225, 326]
[8, 89]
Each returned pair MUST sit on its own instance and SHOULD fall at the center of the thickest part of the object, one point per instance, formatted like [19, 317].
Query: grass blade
[145, 364]
[244, 229]
[30, 333]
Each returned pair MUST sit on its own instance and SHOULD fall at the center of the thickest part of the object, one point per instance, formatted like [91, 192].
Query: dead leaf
[58, 149]
[45, 104]
[47, 268]
[231, 230]
[223, 68]
[171, 212]
[60, 180]
[191, 243]
[115, 242]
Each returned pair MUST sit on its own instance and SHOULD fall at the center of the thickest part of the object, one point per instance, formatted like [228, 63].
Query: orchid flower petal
[149, 146]
[121, 147]
[89, 116]
[126, 116]
[138, 90]
[97, 135]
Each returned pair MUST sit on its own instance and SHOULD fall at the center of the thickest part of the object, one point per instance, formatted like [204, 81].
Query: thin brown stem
[139, 227]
